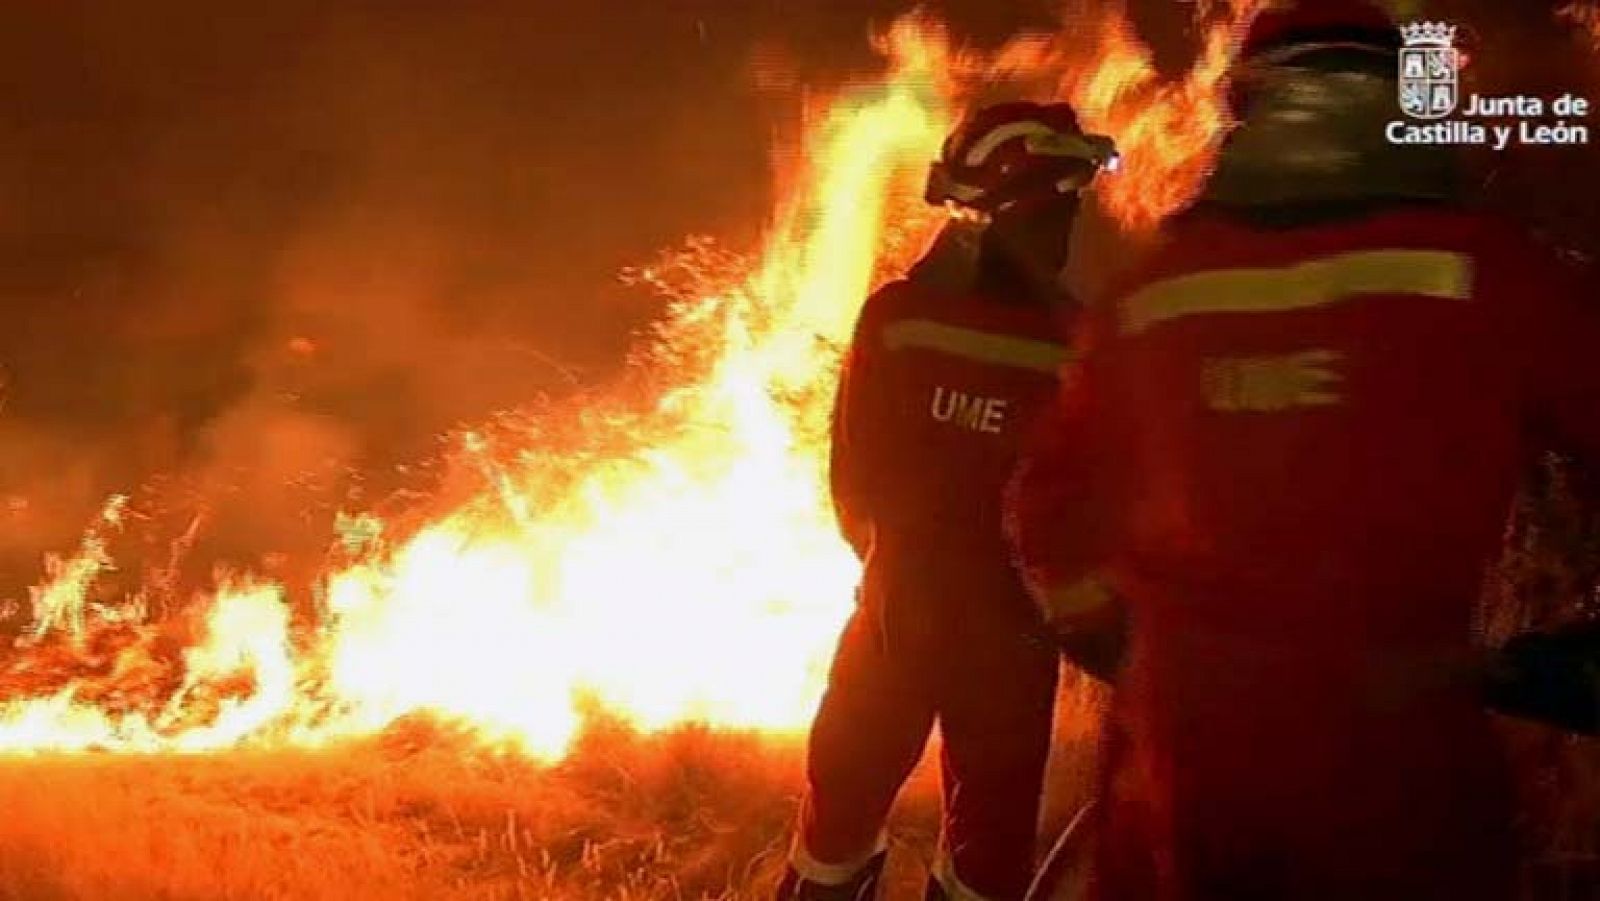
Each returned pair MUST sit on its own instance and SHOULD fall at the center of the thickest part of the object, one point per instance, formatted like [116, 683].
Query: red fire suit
[936, 391]
[1291, 453]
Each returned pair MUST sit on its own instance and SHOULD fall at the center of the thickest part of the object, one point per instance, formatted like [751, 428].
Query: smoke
[252, 265]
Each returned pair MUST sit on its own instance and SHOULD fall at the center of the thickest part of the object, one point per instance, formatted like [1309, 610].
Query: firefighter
[941, 377]
[1287, 457]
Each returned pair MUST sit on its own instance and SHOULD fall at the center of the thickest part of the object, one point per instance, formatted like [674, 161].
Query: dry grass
[415, 815]
[423, 814]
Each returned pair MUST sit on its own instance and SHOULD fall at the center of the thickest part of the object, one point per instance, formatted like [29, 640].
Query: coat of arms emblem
[1429, 70]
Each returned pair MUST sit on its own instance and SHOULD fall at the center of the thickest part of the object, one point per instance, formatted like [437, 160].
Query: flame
[247, 634]
[662, 551]
[59, 602]
[1584, 15]
[1167, 130]
[671, 559]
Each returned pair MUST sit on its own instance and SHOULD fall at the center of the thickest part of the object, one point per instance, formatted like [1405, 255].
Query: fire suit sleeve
[1063, 506]
[855, 450]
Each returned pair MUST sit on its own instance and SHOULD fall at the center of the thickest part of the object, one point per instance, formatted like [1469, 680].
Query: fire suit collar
[951, 262]
[1318, 137]
[957, 263]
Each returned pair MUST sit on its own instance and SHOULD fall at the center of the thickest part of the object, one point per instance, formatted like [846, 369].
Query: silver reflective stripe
[991, 142]
[963, 192]
[1042, 140]
[971, 344]
[1426, 273]
[832, 874]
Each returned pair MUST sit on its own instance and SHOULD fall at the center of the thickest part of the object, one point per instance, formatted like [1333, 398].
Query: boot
[864, 887]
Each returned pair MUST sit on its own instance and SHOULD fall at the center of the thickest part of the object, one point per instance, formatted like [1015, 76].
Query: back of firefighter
[1292, 448]
[941, 378]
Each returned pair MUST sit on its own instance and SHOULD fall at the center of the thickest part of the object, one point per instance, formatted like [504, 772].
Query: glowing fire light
[1585, 15]
[664, 551]
[678, 563]
[1167, 131]
[59, 602]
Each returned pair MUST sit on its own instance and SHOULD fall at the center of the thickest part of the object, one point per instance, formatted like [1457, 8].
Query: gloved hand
[1550, 677]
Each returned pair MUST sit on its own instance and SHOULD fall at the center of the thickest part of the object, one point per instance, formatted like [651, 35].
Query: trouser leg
[867, 737]
[995, 717]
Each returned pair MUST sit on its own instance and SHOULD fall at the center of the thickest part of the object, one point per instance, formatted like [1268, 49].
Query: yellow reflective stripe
[1429, 273]
[985, 347]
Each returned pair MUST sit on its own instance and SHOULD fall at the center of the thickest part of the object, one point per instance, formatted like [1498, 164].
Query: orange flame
[62, 600]
[1585, 15]
[663, 551]
[675, 561]
[1168, 131]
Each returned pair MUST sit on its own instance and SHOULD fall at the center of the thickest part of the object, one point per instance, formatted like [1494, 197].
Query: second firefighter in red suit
[1290, 451]
[943, 376]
